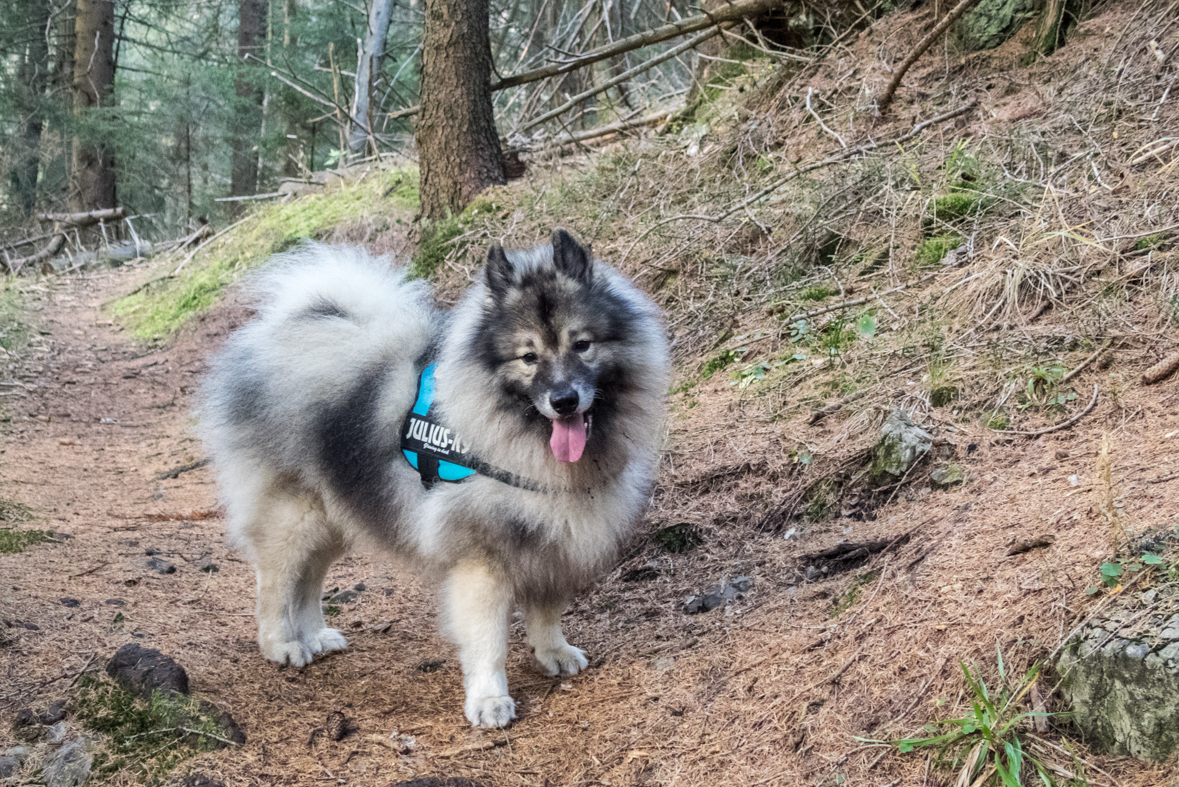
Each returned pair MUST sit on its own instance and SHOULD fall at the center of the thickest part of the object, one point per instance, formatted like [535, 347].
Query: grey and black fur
[303, 414]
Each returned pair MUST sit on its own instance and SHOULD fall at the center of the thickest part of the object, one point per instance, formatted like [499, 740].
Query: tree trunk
[367, 69]
[292, 155]
[32, 75]
[94, 82]
[458, 146]
[251, 34]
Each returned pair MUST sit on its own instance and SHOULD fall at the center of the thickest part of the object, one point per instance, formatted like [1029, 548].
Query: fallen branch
[1081, 366]
[13, 244]
[1161, 370]
[176, 471]
[858, 301]
[843, 155]
[955, 13]
[731, 12]
[600, 131]
[194, 252]
[1059, 426]
[85, 219]
[250, 196]
[46, 254]
[623, 77]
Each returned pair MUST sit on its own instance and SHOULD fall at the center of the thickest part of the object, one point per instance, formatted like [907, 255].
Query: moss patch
[849, 599]
[677, 539]
[142, 735]
[157, 311]
[718, 362]
[934, 250]
[14, 329]
[14, 541]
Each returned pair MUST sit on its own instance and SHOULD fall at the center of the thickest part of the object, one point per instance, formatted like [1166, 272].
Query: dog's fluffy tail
[330, 321]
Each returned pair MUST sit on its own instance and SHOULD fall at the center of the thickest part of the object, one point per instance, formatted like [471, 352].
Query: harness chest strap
[437, 453]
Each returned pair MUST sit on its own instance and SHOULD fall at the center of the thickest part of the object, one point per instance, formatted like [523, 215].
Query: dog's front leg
[554, 655]
[477, 605]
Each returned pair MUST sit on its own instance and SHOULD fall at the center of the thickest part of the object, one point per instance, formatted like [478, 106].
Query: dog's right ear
[498, 272]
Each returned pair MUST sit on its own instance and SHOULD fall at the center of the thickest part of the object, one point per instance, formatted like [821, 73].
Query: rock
[142, 670]
[207, 565]
[27, 726]
[159, 565]
[70, 765]
[344, 597]
[70, 602]
[813, 574]
[54, 713]
[114, 602]
[57, 734]
[19, 753]
[359, 587]
[198, 780]
[1061, 454]
[991, 22]
[948, 476]
[8, 766]
[1121, 678]
[717, 596]
[902, 443]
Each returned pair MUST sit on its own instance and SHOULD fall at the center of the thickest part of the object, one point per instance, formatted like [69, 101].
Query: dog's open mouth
[569, 437]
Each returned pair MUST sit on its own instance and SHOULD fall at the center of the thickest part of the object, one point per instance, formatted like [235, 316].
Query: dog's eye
[529, 358]
[581, 346]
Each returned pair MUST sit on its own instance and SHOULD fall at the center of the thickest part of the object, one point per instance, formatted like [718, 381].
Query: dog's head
[553, 337]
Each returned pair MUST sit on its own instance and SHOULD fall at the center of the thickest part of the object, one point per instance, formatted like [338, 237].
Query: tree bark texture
[292, 151]
[251, 38]
[458, 145]
[94, 82]
[371, 53]
[32, 74]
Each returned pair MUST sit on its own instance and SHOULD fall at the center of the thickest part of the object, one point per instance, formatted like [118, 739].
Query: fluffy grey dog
[505, 448]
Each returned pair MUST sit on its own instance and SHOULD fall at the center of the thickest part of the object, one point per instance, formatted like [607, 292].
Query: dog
[506, 448]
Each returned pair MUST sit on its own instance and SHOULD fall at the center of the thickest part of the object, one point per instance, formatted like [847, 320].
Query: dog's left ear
[571, 258]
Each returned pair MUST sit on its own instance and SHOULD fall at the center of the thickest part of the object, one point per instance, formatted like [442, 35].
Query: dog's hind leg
[477, 607]
[293, 549]
[555, 656]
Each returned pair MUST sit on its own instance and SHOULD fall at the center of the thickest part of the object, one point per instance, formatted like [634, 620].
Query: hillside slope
[987, 274]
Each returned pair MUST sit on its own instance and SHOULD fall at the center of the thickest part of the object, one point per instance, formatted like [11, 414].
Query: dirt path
[769, 690]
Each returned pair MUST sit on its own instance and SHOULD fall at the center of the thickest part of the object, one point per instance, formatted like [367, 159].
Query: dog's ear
[498, 272]
[571, 258]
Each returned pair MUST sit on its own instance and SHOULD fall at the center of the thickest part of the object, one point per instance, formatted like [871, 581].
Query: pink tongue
[568, 440]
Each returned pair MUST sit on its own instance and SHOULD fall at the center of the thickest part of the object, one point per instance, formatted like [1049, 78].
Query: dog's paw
[561, 660]
[326, 640]
[290, 652]
[489, 712]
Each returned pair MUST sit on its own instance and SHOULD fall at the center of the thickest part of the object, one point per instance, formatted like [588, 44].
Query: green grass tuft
[817, 293]
[157, 311]
[1149, 242]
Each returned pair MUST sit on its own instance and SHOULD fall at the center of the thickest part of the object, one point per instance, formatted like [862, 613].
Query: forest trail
[100, 447]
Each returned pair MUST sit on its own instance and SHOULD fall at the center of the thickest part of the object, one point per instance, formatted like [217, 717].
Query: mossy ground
[157, 311]
[437, 238]
[141, 736]
[14, 327]
[13, 541]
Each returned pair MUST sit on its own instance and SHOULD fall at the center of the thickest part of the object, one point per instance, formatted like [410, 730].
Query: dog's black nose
[565, 402]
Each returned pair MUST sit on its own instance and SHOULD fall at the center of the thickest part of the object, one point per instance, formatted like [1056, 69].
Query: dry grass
[776, 688]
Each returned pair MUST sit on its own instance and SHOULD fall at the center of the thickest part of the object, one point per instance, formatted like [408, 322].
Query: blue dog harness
[437, 453]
